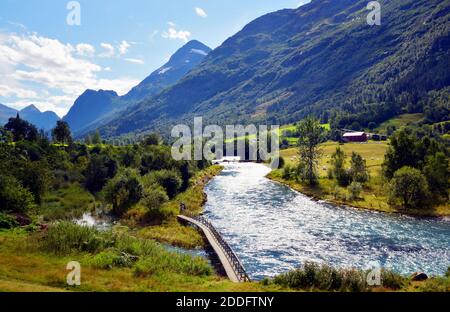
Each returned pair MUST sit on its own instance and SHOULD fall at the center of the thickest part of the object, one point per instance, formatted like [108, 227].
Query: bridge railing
[231, 256]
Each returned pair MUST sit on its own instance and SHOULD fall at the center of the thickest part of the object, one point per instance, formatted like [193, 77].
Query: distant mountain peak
[31, 108]
[180, 63]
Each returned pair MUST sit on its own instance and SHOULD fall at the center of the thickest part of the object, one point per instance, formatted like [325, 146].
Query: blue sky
[47, 62]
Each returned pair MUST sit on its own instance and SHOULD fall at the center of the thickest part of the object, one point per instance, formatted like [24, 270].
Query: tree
[153, 198]
[61, 133]
[169, 179]
[400, 154]
[124, 190]
[358, 169]
[100, 168]
[338, 170]
[409, 186]
[96, 138]
[437, 173]
[372, 125]
[5, 136]
[311, 135]
[13, 196]
[355, 190]
[21, 129]
[152, 139]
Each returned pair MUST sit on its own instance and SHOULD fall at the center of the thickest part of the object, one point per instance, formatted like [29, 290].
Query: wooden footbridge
[228, 259]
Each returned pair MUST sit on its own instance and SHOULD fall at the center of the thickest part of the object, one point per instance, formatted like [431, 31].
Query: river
[273, 229]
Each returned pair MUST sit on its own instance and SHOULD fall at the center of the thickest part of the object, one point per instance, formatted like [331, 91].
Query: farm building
[355, 137]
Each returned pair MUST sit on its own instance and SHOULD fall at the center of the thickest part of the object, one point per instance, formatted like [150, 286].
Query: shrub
[288, 172]
[355, 190]
[323, 277]
[153, 198]
[124, 190]
[67, 237]
[98, 171]
[169, 179]
[358, 169]
[13, 196]
[392, 280]
[111, 258]
[7, 221]
[409, 186]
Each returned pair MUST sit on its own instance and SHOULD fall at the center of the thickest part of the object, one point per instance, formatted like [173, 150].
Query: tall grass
[109, 250]
[66, 237]
[313, 276]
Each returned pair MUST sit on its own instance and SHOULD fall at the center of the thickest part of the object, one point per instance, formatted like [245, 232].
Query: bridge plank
[216, 247]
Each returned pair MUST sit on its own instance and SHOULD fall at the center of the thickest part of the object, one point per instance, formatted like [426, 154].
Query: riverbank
[170, 231]
[374, 195]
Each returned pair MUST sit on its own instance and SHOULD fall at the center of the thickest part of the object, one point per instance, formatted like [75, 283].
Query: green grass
[169, 231]
[67, 203]
[400, 121]
[375, 193]
[25, 266]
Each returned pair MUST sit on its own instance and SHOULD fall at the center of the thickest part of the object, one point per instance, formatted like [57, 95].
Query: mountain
[92, 109]
[184, 60]
[322, 58]
[6, 113]
[42, 120]
[89, 107]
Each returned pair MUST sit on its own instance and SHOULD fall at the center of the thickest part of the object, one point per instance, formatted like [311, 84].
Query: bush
[111, 258]
[392, 280]
[169, 179]
[288, 172]
[124, 191]
[7, 221]
[409, 186]
[323, 277]
[99, 170]
[355, 190]
[13, 196]
[67, 237]
[153, 198]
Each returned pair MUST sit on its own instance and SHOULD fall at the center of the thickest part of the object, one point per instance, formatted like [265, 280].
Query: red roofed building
[355, 137]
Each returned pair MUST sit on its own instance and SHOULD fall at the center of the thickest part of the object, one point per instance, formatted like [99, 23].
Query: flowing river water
[273, 229]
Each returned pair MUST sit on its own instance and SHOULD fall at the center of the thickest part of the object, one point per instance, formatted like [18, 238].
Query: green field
[374, 195]
[400, 121]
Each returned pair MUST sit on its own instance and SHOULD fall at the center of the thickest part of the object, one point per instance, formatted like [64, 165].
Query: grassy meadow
[374, 195]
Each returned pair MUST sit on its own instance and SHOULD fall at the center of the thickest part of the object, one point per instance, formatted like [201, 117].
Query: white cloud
[49, 73]
[134, 61]
[109, 50]
[8, 91]
[200, 12]
[172, 33]
[123, 47]
[107, 69]
[84, 49]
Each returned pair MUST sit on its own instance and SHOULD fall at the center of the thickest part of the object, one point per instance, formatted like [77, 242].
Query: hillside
[93, 109]
[321, 58]
[6, 113]
[90, 106]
